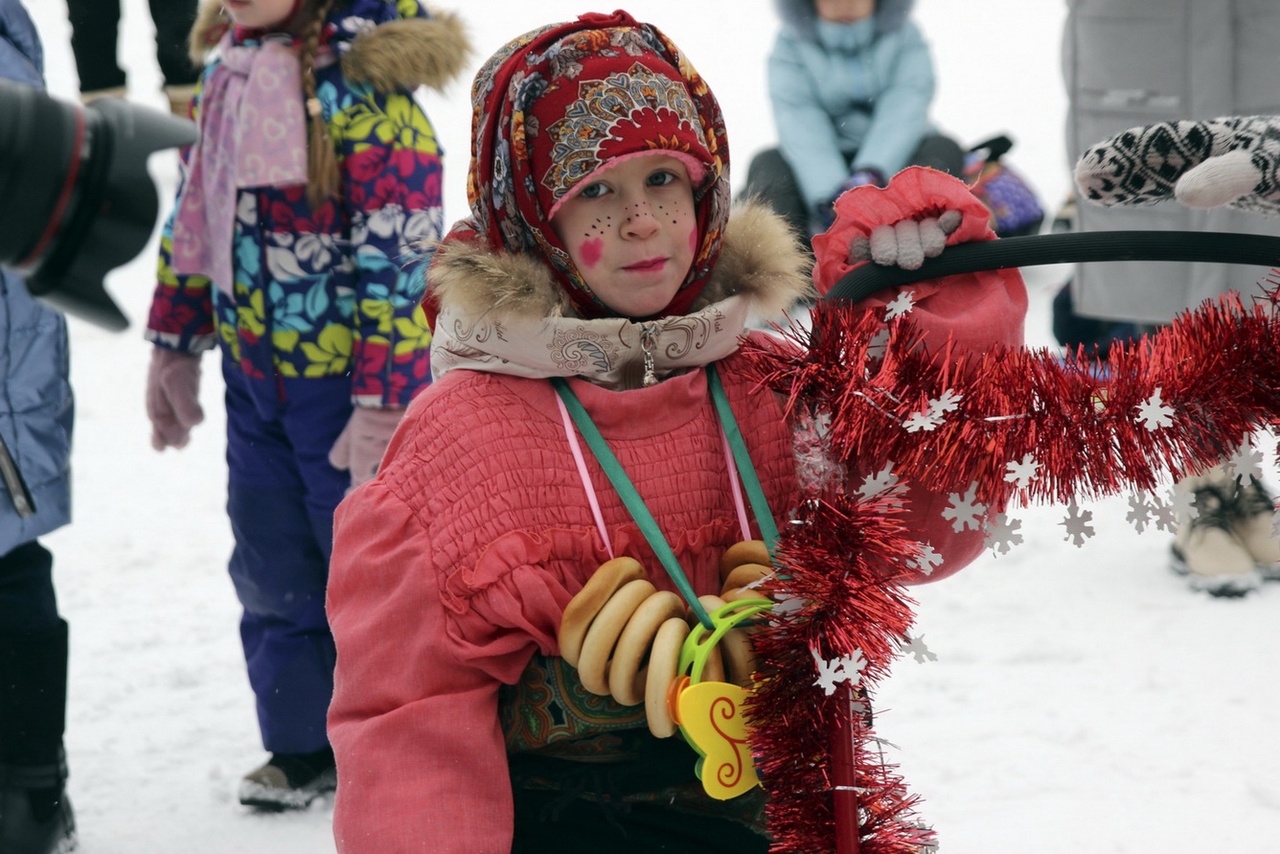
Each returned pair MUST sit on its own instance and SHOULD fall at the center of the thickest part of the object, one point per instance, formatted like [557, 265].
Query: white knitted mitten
[1231, 161]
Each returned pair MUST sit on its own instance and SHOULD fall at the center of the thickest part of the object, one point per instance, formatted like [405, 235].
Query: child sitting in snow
[601, 283]
[850, 83]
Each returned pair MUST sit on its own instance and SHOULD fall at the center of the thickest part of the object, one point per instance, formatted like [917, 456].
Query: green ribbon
[635, 504]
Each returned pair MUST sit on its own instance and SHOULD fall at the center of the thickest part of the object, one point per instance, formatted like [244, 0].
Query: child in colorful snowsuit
[601, 267]
[293, 245]
[850, 82]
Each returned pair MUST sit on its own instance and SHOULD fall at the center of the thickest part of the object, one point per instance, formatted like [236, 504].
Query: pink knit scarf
[252, 134]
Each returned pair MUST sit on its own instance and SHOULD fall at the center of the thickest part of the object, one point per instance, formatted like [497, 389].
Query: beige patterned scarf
[615, 353]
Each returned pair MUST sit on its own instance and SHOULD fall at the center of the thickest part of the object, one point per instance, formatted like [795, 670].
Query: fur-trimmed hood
[761, 260]
[801, 17]
[390, 45]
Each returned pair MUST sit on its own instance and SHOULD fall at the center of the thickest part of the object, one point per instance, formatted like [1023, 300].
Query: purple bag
[1015, 208]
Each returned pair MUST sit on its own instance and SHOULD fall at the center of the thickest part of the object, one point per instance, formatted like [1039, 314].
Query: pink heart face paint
[590, 252]
[631, 230]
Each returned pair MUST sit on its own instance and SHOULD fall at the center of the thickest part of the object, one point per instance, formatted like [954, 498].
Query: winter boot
[87, 98]
[1205, 549]
[1256, 527]
[35, 815]
[290, 781]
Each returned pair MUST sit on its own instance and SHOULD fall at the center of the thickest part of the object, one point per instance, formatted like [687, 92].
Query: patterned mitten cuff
[1228, 161]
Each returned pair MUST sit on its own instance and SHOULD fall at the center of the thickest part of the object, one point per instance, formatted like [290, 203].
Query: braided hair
[323, 179]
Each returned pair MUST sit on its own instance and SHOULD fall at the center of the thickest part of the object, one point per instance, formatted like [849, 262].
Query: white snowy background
[1082, 700]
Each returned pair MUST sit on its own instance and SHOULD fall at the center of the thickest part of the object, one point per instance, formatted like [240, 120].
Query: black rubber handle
[1077, 248]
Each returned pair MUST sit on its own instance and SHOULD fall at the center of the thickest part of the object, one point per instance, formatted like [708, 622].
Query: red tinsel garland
[1173, 403]
[841, 561]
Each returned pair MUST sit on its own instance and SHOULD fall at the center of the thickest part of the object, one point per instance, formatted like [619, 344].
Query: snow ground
[1082, 700]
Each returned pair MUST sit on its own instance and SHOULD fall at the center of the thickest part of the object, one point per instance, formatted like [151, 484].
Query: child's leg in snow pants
[281, 496]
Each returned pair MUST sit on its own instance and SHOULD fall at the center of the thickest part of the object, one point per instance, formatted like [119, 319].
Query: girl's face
[261, 14]
[632, 232]
[844, 11]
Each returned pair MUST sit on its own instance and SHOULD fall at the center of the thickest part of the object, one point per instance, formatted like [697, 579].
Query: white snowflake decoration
[1003, 534]
[965, 512]
[1077, 525]
[1021, 472]
[1245, 463]
[1166, 517]
[932, 417]
[884, 481]
[1140, 512]
[918, 650]
[1181, 504]
[785, 607]
[901, 304]
[1154, 414]
[926, 560]
[831, 673]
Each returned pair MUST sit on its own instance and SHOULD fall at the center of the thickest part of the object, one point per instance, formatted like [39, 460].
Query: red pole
[844, 793]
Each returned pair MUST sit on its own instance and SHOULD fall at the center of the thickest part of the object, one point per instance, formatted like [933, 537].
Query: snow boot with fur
[290, 781]
[1256, 526]
[1206, 549]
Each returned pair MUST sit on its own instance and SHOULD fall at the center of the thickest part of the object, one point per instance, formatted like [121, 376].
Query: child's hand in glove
[363, 441]
[906, 243]
[173, 397]
[1227, 161]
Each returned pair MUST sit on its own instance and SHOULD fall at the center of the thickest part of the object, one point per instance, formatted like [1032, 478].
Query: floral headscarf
[555, 105]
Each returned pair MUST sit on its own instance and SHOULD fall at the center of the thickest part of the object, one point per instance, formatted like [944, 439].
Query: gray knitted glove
[1232, 161]
[905, 243]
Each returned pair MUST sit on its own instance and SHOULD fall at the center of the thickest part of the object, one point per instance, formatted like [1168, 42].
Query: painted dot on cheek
[590, 251]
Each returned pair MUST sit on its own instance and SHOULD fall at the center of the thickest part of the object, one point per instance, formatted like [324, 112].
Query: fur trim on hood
[761, 259]
[801, 17]
[402, 54]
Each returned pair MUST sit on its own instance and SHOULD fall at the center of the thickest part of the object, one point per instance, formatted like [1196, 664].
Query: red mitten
[173, 397]
[363, 441]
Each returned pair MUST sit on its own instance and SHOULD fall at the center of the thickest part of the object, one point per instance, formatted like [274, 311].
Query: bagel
[626, 671]
[740, 657]
[713, 669]
[664, 661]
[737, 594]
[746, 573]
[606, 628]
[746, 551]
[587, 602]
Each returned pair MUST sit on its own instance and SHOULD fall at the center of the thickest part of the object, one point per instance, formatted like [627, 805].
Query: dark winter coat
[36, 411]
[848, 96]
[1133, 62]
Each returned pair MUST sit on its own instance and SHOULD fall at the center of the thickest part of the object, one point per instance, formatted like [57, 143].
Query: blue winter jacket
[848, 96]
[36, 410]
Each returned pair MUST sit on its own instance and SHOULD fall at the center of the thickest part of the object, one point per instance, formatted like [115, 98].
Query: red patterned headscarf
[558, 104]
